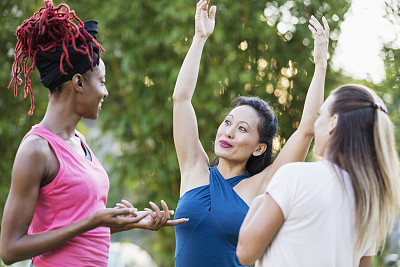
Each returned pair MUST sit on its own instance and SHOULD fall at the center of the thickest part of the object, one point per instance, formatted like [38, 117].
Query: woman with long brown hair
[337, 211]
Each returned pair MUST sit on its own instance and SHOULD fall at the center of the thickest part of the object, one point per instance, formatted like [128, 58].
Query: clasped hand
[150, 219]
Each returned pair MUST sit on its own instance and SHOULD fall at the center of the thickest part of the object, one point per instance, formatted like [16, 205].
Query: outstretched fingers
[321, 40]
[317, 29]
[201, 6]
[176, 222]
[159, 216]
[212, 12]
[326, 26]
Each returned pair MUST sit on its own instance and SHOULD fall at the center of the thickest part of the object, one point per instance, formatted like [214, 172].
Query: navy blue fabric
[215, 213]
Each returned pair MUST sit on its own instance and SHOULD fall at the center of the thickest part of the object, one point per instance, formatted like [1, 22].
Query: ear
[260, 149]
[333, 123]
[77, 81]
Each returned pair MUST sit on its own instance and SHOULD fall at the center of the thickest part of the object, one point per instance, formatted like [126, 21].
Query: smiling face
[237, 137]
[323, 127]
[92, 92]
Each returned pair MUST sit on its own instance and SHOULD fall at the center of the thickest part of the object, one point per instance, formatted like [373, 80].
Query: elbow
[178, 97]
[6, 257]
[9, 256]
[242, 256]
[175, 97]
[306, 133]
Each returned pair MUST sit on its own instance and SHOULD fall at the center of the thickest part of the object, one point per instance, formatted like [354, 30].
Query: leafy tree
[246, 55]
[390, 87]
[258, 47]
[14, 119]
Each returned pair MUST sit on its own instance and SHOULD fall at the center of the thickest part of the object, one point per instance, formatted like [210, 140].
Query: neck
[231, 169]
[60, 118]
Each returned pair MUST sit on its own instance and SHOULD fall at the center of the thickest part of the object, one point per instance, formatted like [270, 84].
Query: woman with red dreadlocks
[56, 209]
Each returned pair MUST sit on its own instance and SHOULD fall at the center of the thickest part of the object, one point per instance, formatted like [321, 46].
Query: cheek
[220, 130]
[247, 140]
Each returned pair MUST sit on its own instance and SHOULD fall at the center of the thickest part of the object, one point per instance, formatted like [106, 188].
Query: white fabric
[318, 209]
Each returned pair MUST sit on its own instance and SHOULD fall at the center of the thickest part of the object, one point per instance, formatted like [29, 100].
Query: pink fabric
[79, 190]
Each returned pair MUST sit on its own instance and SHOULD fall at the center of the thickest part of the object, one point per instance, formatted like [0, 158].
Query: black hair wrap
[48, 63]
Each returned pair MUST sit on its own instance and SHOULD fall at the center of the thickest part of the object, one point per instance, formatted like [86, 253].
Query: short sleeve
[280, 189]
[371, 249]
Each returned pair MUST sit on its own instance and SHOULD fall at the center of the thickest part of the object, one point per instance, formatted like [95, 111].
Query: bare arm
[30, 167]
[366, 261]
[154, 219]
[297, 146]
[186, 137]
[261, 224]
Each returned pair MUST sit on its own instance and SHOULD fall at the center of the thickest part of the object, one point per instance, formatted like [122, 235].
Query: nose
[105, 91]
[229, 132]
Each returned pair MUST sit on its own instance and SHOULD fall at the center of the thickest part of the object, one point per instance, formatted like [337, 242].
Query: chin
[91, 117]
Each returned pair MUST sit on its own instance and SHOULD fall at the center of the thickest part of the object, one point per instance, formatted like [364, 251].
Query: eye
[227, 122]
[242, 129]
[103, 82]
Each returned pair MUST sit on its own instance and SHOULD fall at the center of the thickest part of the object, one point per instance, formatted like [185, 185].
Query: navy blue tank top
[215, 213]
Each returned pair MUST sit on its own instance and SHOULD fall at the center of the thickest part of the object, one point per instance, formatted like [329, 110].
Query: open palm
[204, 22]
[321, 40]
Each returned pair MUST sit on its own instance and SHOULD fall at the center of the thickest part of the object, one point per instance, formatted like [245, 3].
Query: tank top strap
[219, 186]
[216, 177]
[235, 180]
[53, 139]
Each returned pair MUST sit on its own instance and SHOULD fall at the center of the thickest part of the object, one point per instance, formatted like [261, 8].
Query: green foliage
[146, 45]
[146, 42]
[14, 119]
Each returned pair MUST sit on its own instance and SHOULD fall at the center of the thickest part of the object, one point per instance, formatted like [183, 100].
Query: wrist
[321, 66]
[198, 38]
[92, 222]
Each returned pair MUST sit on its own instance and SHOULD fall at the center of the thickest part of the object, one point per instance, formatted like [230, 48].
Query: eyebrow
[240, 121]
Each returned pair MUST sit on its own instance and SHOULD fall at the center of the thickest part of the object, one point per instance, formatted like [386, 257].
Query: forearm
[314, 99]
[245, 252]
[30, 245]
[187, 78]
[258, 229]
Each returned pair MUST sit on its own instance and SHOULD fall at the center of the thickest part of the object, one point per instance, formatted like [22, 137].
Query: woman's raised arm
[186, 137]
[297, 146]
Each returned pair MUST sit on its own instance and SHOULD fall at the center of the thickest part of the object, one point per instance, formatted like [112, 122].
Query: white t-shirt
[318, 210]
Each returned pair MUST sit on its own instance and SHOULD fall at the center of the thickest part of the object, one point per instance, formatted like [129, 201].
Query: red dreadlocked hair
[47, 29]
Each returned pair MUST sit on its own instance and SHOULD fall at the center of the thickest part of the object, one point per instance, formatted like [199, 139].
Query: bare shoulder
[34, 146]
[33, 160]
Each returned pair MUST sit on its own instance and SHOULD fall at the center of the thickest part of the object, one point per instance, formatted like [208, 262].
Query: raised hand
[321, 40]
[204, 22]
[153, 219]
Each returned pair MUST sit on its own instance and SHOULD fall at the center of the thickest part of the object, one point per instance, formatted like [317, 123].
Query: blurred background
[258, 47]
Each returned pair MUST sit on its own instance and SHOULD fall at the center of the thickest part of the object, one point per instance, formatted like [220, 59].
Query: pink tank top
[79, 190]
